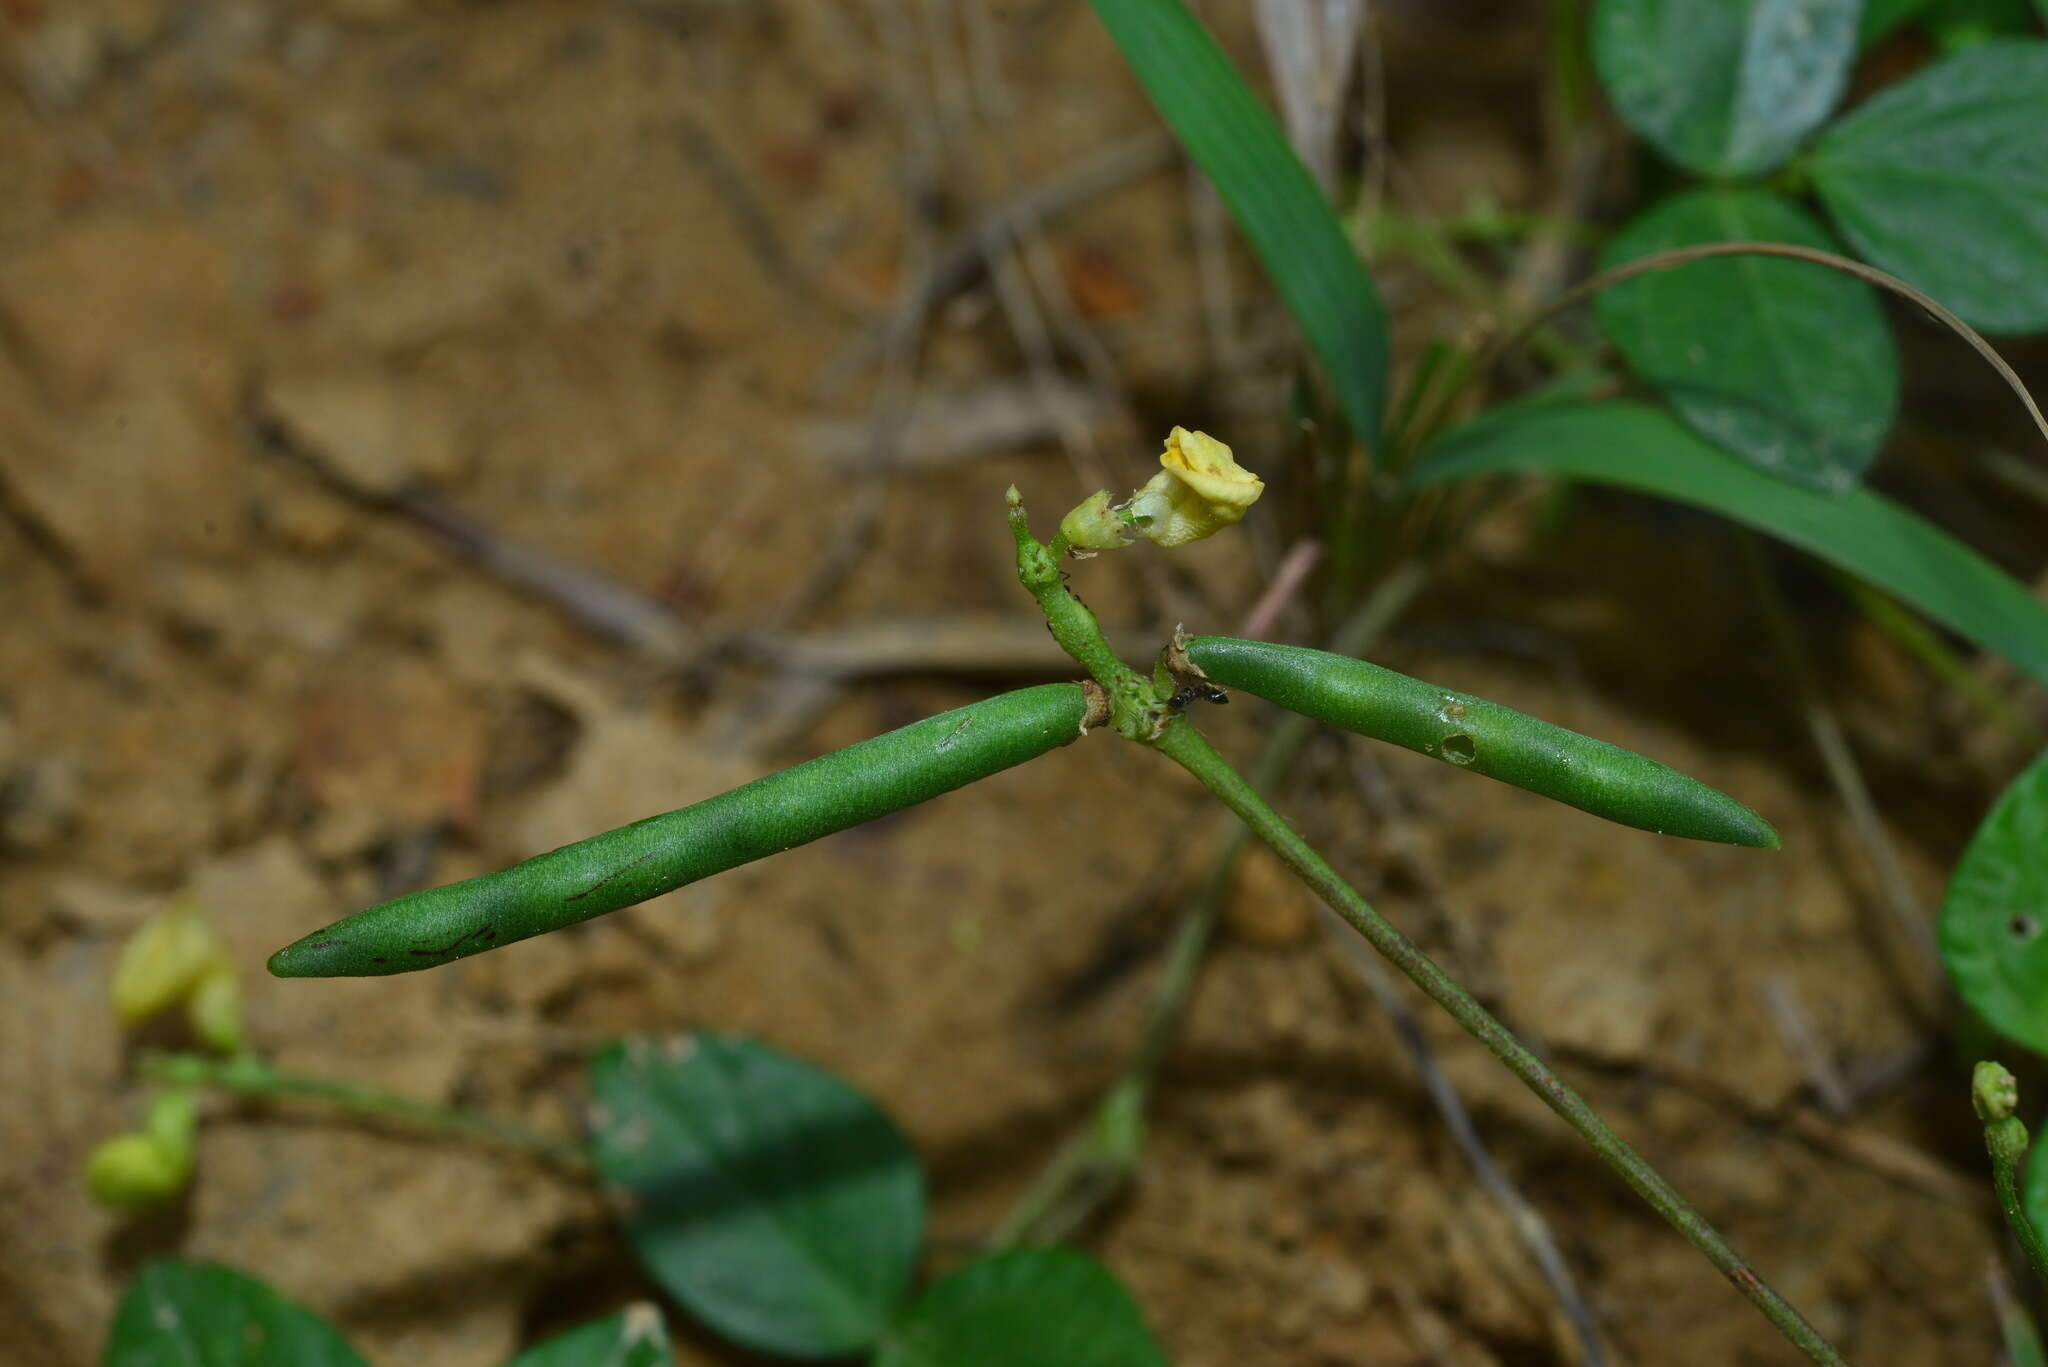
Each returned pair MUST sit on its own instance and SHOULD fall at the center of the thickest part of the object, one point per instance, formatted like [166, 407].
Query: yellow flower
[1094, 526]
[1200, 489]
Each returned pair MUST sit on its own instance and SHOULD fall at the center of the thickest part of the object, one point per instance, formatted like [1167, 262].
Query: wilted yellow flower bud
[164, 962]
[214, 1010]
[1200, 489]
[131, 1173]
[1094, 526]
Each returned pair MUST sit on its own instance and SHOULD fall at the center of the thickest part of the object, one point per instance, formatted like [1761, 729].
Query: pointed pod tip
[1755, 833]
[311, 957]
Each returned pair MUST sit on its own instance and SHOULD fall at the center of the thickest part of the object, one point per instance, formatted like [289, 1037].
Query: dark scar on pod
[484, 933]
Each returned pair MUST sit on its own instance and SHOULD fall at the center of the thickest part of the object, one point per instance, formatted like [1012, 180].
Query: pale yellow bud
[1094, 526]
[214, 1010]
[163, 963]
[1200, 489]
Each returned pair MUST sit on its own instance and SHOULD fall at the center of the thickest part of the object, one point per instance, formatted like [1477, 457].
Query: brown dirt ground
[578, 267]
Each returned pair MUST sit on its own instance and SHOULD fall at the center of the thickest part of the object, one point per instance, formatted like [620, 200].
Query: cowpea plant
[1781, 377]
[1199, 490]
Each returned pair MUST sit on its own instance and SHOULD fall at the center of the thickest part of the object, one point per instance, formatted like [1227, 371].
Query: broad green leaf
[635, 1337]
[1030, 1307]
[1994, 922]
[1787, 364]
[775, 1201]
[1634, 446]
[1724, 87]
[180, 1314]
[1270, 193]
[1943, 181]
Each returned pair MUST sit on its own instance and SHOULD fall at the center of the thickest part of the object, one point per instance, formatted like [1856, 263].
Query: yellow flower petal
[1199, 490]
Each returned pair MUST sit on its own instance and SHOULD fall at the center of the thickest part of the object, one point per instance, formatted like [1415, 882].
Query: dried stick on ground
[1924, 980]
[1795, 1027]
[854, 528]
[960, 260]
[1526, 1220]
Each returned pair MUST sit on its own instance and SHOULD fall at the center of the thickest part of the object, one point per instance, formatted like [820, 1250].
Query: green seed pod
[794, 807]
[1483, 737]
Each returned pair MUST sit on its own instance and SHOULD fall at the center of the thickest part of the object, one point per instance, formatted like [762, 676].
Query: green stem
[1095, 1161]
[1995, 1095]
[1133, 703]
[1184, 745]
[249, 1076]
[2010, 1135]
[1141, 713]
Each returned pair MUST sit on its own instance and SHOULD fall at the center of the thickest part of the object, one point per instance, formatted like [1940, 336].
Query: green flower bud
[1994, 1091]
[1094, 526]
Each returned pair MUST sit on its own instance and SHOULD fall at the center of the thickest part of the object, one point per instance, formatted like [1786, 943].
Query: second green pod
[1484, 737]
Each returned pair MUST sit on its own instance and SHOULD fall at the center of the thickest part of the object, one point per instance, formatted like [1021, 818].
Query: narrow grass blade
[1634, 446]
[1275, 201]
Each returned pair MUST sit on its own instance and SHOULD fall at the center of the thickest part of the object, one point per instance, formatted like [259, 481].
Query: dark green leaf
[1031, 1307]
[1994, 923]
[633, 1338]
[1270, 193]
[1943, 181]
[775, 1201]
[1633, 446]
[1787, 364]
[1724, 87]
[1957, 24]
[180, 1314]
[1881, 17]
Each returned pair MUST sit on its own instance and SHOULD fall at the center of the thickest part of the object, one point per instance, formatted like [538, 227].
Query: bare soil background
[285, 287]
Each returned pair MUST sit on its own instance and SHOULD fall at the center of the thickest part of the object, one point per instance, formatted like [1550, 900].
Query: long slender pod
[633, 863]
[1481, 736]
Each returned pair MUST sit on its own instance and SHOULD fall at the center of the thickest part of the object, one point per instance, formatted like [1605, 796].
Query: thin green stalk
[248, 1075]
[1142, 711]
[1185, 746]
[1094, 1162]
[1995, 1094]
